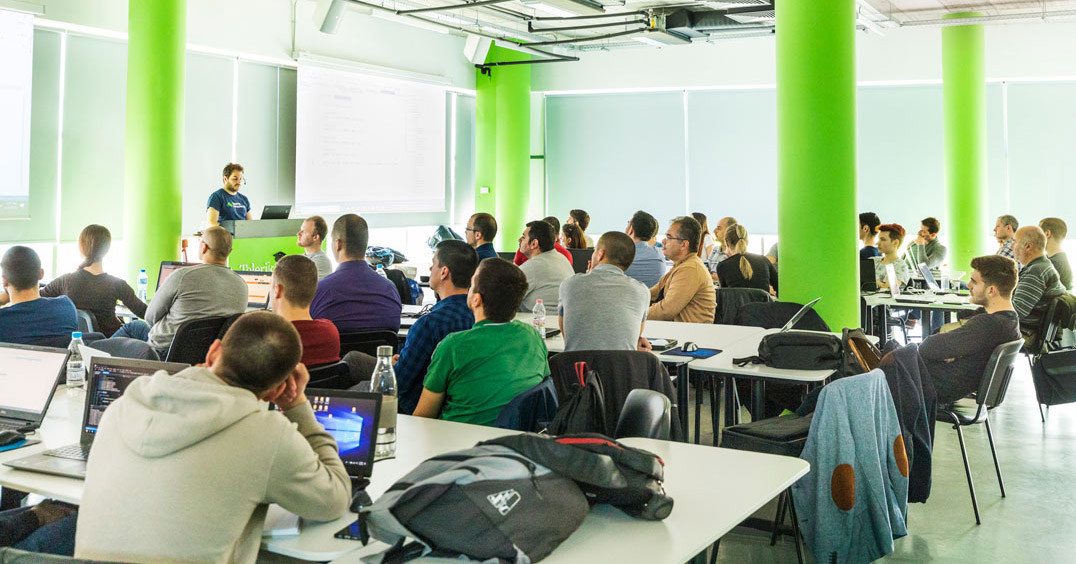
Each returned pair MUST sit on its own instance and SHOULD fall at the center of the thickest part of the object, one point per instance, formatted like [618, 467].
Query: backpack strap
[747, 360]
[580, 372]
[401, 552]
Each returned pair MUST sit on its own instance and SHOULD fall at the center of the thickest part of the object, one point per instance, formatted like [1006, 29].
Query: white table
[946, 303]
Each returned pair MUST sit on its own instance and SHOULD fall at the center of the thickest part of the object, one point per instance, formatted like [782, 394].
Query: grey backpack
[487, 503]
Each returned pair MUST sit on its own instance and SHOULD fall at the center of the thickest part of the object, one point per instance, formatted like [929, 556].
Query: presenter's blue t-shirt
[29, 323]
[230, 206]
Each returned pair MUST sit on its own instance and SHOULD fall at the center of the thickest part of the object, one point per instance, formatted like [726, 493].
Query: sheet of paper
[280, 523]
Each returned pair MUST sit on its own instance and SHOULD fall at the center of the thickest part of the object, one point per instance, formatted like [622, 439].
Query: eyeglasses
[469, 229]
[668, 237]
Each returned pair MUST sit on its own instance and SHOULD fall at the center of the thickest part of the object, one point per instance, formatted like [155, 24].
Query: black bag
[860, 354]
[785, 435]
[607, 471]
[1054, 375]
[584, 412]
[798, 350]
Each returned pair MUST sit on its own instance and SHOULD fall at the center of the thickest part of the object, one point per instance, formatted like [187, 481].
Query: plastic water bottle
[539, 317]
[384, 383]
[944, 282]
[381, 272]
[143, 285]
[76, 369]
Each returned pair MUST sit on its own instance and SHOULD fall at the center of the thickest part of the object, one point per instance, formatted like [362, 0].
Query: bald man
[1039, 282]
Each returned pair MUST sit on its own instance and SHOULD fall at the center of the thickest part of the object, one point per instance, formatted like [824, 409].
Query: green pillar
[816, 157]
[152, 195]
[503, 144]
[964, 102]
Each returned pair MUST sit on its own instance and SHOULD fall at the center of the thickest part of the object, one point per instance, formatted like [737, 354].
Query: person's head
[21, 269]
[701, 218]
[580, 218]
[722, 225]
[1005, 228]
[537, 238]
[992, 277]
[258, 353]
[1055, 229]
[313, 232]
[682, 239]
[233, 177]
[295, 279]
[93, 243]
[890, 237]
[642, 226]
[868, 225]
[1029, 243]
[350, 237]
[454, 263]
[736, 244]
[216, 245]
[571, 236]
[614, 248]
[554, 222]
[928, 228]
[481, 229]
[497, 290]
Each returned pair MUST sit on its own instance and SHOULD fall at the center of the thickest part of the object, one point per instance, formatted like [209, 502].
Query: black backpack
[584, 412]
[812, 350]
[1054, 376]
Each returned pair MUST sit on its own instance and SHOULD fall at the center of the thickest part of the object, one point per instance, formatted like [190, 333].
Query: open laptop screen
[168, 267]
[351, 418]
[28, 376]
[109, 378]
[258, 287]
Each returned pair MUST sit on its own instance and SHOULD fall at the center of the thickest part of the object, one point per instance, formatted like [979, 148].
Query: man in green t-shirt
[475, 373]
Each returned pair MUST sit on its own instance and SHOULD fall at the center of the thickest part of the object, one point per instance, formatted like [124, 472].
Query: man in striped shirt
[1004, 231]
[1039, 283]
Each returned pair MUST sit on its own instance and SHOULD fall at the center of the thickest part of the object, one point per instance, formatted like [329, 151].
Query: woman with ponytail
[91, 289]
[743, 269]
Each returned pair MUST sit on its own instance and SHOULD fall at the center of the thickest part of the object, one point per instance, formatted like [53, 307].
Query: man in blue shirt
[481, 229]
[454, 263]
[227, 203]
[354, 297]
[649, 264]
[31, 319]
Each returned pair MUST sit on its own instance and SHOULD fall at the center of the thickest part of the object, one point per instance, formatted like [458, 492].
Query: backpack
[607, 471]
[486, 503]
[850, 354]
[584, 412]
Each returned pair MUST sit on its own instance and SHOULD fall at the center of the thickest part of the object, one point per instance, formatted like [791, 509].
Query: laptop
[168, 267]
[28, 379]
[259, 285]
[276, 212]
[351, 418]
[894, 289]
[108, 378]
[799, 315]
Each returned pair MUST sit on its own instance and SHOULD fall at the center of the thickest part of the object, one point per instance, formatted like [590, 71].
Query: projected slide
[367, 143]
[16, 75]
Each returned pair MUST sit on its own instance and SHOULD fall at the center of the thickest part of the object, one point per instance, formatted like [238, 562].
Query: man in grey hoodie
[184, 467]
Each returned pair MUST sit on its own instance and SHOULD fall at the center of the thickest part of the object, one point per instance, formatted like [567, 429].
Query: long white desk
[947, 304]
[714, 490]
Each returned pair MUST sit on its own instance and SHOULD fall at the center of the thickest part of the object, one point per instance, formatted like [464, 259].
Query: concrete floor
[1033, 524]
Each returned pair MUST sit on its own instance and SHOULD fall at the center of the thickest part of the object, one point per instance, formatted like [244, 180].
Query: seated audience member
[604, 310]
[571, 237]
[354, 297]
[1039, 282]
[707, 245]
[956, 359]
[686, 292]
[47, 527]
[582, 219]
[295, 279]
[771, 255]
[205, 290]
[545, 269]
[1056, 230]
[31, 319]
[183, 466]
[481, 229]
[743, 269]
[311, 237]
[649, 263]
[719, 252]
[926, 249]
[94, 291]
[868, 233]
[890, 236]
[453, 266]
[475, 373]
[1004, 231]
[521, 258]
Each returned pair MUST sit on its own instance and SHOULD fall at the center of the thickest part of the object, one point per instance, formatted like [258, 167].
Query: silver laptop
[259, 285]
[107, 379]
[799, 315]
[28, 379]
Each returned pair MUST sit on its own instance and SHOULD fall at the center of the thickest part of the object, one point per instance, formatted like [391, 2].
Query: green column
[816, 157]
[964, 102]
[502, 144]
[152, 195]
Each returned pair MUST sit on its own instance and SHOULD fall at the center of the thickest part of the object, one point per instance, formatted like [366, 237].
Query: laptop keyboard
[74, 452]
[6, 424]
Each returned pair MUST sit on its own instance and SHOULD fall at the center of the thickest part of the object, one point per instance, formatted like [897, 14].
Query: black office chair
[968, 411]
[1046, 333]
[730, 300]
[194, 337]
[580, 259]
[335, 376]
[509, 256]
[85, 321]
[774, 315]
[368, 341]
[646, 414]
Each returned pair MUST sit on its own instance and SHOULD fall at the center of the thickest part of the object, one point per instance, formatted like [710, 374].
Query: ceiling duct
[703, 23]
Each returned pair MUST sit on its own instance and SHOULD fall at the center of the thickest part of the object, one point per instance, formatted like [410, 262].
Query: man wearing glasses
[227, 203]
[686, 292]
[481, 229]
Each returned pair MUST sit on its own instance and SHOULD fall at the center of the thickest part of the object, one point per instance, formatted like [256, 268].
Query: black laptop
[28, 379]
[276, 212]
[351, 418]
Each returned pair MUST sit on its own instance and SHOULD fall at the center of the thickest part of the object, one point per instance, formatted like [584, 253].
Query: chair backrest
[508, 256]
[335, 376]
[125, 347]
[85, 321]
[646, 414]
[730, 300]
[194, 337]
[527, 411]
[774, 315]
[368, 341]
[996, 375]
[580, 258]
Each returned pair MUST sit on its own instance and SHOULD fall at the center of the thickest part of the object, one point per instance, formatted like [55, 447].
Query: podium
[255, 241]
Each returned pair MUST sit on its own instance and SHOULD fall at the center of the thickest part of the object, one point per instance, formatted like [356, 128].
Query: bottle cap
[76, 335]
[538, 301]
[384, 350]
[143, 270]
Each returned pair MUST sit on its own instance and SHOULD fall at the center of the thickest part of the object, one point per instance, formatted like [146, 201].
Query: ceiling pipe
[1013, 18]
[530, 26]
[452, 7]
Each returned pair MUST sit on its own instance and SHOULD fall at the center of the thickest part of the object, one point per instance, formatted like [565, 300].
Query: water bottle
[384, 383]
[76, 370]
[539, 317]
[381, 272]
[944, 283]
[143, 285]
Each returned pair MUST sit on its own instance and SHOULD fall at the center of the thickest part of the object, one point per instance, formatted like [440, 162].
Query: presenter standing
[227, 203]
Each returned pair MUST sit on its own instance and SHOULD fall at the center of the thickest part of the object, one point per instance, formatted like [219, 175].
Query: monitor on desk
[259, 284]
[168, 267]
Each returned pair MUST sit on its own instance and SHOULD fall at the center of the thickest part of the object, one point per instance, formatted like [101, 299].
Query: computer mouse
[8, 437]
[690, 347]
